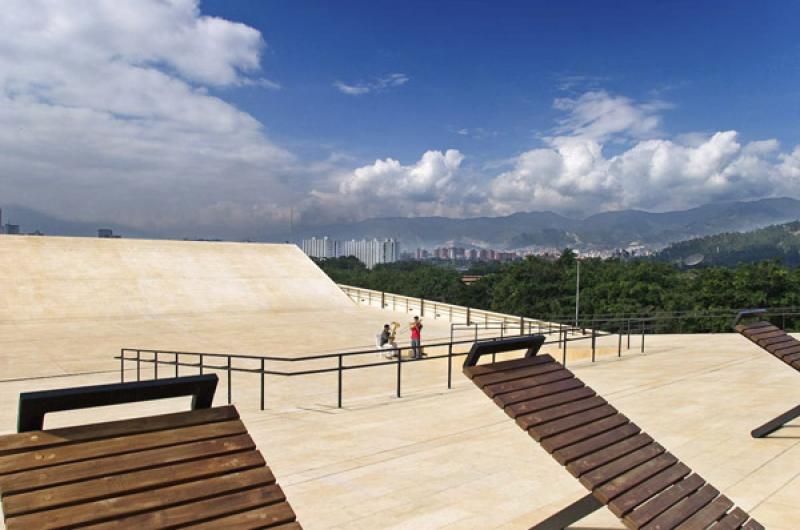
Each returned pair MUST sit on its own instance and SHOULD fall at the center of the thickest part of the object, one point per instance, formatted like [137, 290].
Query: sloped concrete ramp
[67, 305]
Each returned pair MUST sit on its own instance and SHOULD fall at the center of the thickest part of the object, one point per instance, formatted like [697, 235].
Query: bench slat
[527, 421]
[110, 465]
[735, 519]
[121, 484]
[510, 375]
[274, 516]
[197, 511]
[663, 501]
[504, 400]
[474, 371]
[122, 444]
[574, 421]
[617, 467]
[708, 515]
[534, 405]
[649, 488]
[139, 502]
[69, 435]
[526, 383]
[634, 477]
[594, 443]
[684, 509]
[608, 454]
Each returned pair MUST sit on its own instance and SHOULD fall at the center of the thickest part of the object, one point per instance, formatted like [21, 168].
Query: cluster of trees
[781, 242]
[542, 288]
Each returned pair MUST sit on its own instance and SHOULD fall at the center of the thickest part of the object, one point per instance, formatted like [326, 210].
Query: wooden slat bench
[197, 469]
[624, 468]
[781, 345]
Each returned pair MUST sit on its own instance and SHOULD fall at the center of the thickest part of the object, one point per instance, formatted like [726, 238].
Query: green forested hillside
[779, 242]
[540, 288]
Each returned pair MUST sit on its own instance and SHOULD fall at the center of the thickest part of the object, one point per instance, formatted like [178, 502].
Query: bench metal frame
[782, 419]
[34, 405]
[532, 344]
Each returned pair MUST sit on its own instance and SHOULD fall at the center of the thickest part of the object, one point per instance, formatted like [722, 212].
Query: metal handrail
[198, 360]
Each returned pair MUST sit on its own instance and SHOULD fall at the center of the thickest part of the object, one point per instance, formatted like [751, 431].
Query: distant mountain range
[781, 242]
[604, 230]
[519, 230]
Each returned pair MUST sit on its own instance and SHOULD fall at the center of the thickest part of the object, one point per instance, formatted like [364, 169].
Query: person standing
[416, 338]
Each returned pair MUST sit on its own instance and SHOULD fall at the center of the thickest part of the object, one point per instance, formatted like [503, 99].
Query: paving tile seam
[402, 448]
[54, 376]
[756, 470]
[430, 493]
[632, 391]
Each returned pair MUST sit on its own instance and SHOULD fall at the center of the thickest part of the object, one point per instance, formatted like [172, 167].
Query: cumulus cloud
[105, 113]
[572, 172]
[378, 84]
[433, 185]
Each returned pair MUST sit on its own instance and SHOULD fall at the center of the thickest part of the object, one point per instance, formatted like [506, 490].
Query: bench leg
[571, 514]
[775, 424]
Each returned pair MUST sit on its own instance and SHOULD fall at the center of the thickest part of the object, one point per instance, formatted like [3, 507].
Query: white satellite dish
[694, 259]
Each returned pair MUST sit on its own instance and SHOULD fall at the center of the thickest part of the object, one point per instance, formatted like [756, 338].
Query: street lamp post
[577, 289]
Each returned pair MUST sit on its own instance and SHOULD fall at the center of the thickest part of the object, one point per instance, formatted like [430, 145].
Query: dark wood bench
[624, 468]
[780, 344]
[197, 469]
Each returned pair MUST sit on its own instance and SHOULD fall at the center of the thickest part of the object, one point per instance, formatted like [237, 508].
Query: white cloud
[600, 116]
[375, 85]
[572, 173]
[388, 188]
[105, 113]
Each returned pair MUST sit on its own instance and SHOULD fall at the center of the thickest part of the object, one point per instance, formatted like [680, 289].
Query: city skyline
[234, 119]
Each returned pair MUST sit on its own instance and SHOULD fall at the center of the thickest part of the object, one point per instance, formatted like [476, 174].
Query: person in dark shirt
[385, 335]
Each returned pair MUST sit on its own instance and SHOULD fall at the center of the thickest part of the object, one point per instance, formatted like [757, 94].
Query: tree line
[545, 288]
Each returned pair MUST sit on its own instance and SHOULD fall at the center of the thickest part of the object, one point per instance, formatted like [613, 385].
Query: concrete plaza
[433, 459]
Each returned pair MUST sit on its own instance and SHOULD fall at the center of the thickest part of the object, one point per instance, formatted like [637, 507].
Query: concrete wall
[79, 278]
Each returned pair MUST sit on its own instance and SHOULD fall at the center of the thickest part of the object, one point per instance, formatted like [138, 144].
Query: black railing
[264, 365]
[716, 320]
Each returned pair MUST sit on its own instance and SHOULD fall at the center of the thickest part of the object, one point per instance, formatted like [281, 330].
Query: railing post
[339, 402]
[262, 384]
[629, 333]
[593, 341]
[138, 365]
[467, 315]
[521, 325]
[450, 365]
[642, 350]
[476, 332]
[229, 380]
[399, 363]
[122, 365]
[421, 307]
[177, 363]
[201, 364]
[155, 365]
[619, 344]
[564, 352]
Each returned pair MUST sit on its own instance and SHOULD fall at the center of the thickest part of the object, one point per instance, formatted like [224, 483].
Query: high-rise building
[11, 229]
[370, 252]
[319, 248]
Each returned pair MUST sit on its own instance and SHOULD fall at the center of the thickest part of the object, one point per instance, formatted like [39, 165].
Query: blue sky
[225, 118]
[497, 66]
